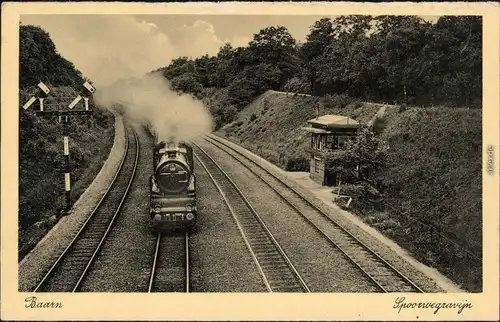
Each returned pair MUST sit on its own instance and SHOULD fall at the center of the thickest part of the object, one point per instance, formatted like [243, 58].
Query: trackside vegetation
[41, 163]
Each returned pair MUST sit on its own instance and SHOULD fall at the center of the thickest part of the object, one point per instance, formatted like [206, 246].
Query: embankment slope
[271, 125]
[431, 182]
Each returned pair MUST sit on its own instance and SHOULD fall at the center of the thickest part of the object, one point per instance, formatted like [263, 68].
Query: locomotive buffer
[63, 116]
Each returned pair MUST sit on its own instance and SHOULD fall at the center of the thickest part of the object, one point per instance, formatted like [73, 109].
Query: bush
[253, 117]
[186, 83]
[297, 164]
[357, 103]
[224, 116]
[362, 190]
[338, 101]
[297, 85]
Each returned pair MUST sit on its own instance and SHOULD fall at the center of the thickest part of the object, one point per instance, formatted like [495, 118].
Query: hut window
[329, 142]
[335, 142]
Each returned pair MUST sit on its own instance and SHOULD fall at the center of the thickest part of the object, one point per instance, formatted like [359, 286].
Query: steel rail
[156, 259]
[303, 198]
[268, 283]
[187, 262]
[92, 215]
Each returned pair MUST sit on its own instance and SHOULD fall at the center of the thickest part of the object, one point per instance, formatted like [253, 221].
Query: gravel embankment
[124, 262]
[411, 270]
[219, 258]
[322, 266]
[35, 264]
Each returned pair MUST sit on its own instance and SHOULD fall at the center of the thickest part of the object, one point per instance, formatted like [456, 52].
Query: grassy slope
[433, 175]
[41, 190]
[288, 113]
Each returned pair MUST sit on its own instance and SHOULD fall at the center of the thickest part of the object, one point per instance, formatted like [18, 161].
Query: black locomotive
[173, 187]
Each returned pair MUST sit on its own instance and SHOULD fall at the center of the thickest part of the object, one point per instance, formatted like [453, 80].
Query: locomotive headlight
[157, 209]
[189, 207]
[189, 216]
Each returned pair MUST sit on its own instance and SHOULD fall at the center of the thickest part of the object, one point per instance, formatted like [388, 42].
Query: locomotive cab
[173, 187]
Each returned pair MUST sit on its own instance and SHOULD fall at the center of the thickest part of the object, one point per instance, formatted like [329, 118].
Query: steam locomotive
[173, 187]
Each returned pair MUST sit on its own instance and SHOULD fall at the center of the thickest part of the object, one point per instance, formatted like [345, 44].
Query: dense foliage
[41, 163]
[426, 194]
[39, 60]
[359, 159]
[433, 191]
[390, 59]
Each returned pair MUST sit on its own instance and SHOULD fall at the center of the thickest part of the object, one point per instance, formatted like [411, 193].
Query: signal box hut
[329, 133]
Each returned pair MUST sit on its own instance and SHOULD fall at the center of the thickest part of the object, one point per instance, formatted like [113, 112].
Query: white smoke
[109, 49]
[173, 116]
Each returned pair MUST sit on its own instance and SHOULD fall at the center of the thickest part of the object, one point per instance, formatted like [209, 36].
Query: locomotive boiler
[173, 187]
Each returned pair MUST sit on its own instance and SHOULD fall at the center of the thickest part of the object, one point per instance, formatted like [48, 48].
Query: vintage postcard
[250, 161]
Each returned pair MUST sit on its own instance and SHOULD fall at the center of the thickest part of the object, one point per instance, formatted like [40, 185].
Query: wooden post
[348, 203]
[67, 173]
[41, 104]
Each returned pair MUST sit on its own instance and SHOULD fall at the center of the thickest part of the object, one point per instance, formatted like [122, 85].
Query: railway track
[71, 267]
[170, 269]
[277, 271]
[385, 276]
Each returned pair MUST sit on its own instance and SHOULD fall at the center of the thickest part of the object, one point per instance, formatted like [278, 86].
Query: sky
[108, 47]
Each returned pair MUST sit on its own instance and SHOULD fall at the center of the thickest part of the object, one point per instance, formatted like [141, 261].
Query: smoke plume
[148, 99]
[117, 52]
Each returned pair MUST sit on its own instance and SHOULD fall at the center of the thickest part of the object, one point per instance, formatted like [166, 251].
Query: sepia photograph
[252, 153]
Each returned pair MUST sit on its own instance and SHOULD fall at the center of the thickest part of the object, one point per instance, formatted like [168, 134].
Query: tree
[400, 41]
[206, 67]
[225, 52]
[39, 60]
[455, 54]
[253, 81]
[297, 85]
[274, 46]
[389, 59]
[320, 36]
[176, 68]
[231, 63]
[359, 158]
[187, 83]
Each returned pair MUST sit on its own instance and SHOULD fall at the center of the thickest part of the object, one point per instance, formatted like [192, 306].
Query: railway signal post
[63, 116]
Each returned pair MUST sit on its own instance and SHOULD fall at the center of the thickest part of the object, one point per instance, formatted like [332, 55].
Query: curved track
[71, 267]
[170, 269]
[385, 276]
[276, 269]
